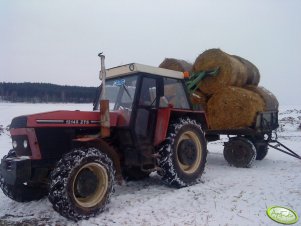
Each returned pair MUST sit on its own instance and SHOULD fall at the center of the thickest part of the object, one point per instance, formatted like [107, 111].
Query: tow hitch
[281, 147]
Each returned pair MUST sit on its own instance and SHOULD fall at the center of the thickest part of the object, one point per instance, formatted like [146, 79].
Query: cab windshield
[120, 92]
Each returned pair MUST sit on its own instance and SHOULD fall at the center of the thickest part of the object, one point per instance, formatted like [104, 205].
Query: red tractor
[142, 122]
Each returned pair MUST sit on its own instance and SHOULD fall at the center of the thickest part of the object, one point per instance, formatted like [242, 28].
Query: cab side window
[148, 92]
[174, 94]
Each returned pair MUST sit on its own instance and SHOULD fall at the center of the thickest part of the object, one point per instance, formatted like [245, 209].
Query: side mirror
[97, 98]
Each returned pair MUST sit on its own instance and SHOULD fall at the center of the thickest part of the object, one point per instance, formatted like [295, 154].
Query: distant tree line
[46, 92]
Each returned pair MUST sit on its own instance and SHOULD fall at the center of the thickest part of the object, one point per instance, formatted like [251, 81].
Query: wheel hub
[187, 152]
[239, 152]
[86, 183]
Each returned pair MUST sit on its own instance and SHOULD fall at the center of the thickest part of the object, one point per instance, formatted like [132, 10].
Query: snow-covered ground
[224, 196]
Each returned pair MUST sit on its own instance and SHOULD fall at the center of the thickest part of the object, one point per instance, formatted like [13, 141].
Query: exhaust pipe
[104, 104]
[102, 76]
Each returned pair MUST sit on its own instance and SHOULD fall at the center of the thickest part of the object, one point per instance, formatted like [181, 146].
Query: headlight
[15, 144]
[25, 144]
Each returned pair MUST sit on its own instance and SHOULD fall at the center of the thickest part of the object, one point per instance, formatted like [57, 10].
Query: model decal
[67, 121]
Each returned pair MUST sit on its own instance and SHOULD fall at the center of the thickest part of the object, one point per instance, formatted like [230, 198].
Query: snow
[224, 196]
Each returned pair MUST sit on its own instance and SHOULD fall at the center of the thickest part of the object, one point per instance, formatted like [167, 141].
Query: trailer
[244, 144]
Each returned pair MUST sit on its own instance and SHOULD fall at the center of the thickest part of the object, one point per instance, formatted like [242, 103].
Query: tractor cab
[141, 99]
[146, 88]
[137, 91]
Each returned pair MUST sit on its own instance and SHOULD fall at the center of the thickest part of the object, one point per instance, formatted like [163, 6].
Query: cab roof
[133, 68]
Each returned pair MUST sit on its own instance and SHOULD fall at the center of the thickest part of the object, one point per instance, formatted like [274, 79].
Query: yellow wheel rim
[100, 185]
[193, 152]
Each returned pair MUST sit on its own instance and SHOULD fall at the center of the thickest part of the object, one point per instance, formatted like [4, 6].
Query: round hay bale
[198, 98]
[176, 65]
[233, 107]
[253, 75]
[231, 71]
[270, 100]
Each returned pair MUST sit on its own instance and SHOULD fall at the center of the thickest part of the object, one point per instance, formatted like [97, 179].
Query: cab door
[146, 110]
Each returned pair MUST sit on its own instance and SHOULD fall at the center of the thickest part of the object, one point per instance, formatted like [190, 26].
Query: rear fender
[165, 115]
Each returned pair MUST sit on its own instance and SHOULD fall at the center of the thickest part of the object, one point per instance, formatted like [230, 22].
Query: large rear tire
[183, 155]
[81, 184]
[25, 192]
[240, 152]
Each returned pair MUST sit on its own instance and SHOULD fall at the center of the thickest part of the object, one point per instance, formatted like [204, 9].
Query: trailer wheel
[183, 155]
[261, 150]
[240, 152]
[22, 192]
[261, 146]
[81, 184]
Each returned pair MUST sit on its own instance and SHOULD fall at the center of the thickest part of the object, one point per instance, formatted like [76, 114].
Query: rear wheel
[24, 192]
[183, 156]
[82, 183]
[240, 152]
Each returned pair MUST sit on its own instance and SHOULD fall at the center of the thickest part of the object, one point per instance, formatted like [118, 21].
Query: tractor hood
[66, 119]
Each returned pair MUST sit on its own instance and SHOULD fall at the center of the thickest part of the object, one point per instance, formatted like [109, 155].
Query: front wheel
[183, 156]
[82, 183]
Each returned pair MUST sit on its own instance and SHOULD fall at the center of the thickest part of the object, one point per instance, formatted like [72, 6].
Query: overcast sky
[58, 41]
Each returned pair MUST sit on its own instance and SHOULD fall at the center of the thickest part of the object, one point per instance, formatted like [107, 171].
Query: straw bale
[233, 107]
[270, 100]
[231, 71]
[253, 75]
[176, 65]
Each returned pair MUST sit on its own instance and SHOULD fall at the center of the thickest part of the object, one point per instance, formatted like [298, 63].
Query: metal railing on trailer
[265, 125]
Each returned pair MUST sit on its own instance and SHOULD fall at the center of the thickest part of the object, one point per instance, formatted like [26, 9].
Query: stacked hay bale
[233, 71]
[231, 99]
[176, 64]
[270, 101]
[252, 72]
[233, 107]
